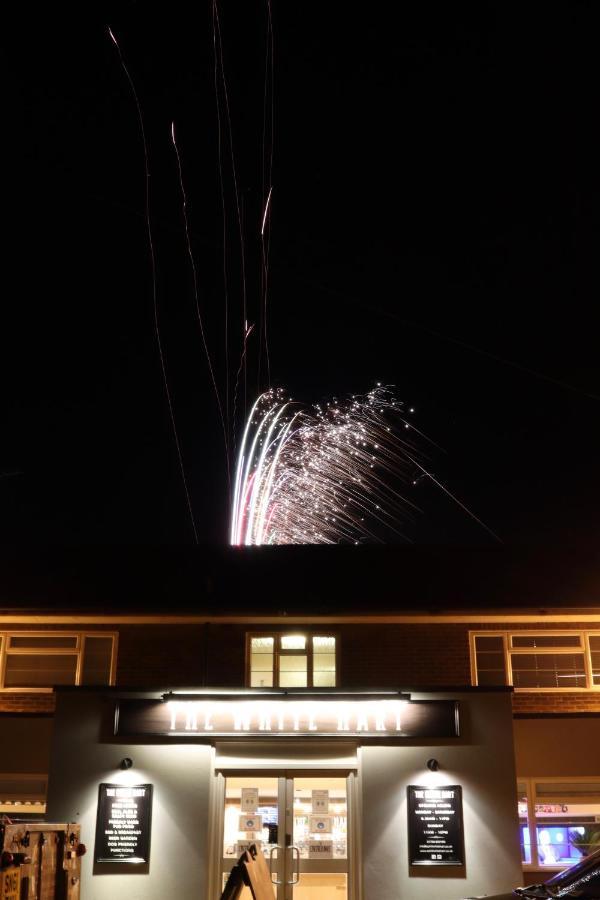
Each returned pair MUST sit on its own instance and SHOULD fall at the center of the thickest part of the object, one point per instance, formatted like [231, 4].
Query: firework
[321, 475]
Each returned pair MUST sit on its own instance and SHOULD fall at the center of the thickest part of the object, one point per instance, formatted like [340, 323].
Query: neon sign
[270, 716]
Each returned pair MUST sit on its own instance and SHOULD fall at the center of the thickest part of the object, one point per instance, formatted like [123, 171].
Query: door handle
[295, 880]
[277, 847]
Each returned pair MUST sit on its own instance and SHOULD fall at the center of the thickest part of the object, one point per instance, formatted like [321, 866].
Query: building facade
[524, 678]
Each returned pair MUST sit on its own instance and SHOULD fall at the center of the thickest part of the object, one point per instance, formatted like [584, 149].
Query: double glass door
[301, 826]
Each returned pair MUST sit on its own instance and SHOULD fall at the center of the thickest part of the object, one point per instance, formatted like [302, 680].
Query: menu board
[123, 823]
[435, 825]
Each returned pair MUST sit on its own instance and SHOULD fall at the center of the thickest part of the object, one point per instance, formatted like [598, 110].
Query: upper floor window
[540, 661]
[292, 660]
[40, 660]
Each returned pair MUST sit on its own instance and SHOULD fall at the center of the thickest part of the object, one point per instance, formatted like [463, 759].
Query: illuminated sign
[268, 715]
[123, 823]
[435, 825]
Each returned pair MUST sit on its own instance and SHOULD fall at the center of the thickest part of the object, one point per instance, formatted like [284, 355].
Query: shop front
[405, 794]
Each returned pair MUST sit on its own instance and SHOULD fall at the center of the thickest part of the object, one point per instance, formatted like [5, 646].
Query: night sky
[433, 225]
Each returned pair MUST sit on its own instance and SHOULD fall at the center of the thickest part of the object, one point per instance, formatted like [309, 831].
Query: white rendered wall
[483, 763]
[180, 775]
[481, 760]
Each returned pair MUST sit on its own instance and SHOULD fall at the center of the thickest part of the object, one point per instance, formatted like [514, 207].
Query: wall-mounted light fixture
[433, 765]
[126, 763]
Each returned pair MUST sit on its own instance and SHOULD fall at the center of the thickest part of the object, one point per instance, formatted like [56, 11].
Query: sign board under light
[435, 825]
[270, 715]
[123, 823]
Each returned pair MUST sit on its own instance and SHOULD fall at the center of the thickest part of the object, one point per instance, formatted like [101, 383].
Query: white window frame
[77, 650]
[532, 798]
[277, 652]
[584, 648]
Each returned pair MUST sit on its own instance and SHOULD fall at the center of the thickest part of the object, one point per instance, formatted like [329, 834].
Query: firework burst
[320, 475]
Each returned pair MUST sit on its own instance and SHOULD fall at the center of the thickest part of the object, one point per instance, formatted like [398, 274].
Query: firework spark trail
[154, 289]
[248, 331]
[310, 476]
[267, 182]
[266, 212]
[196, 298]
[322, 475]
[265, 282]
[217, 41]
[223, 213]
[456, 500]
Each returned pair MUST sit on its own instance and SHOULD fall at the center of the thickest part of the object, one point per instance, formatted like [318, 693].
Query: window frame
[278, 652]
[78, 651]
[530, 782]
[507, 635]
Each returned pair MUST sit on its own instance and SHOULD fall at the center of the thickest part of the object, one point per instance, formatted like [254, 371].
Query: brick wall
[395, 655]
[524, 703]
[27, 703]
[160, 655]
[370, 656]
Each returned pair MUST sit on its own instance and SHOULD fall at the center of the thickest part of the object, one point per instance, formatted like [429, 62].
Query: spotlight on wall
[433, 765]
[126, 763]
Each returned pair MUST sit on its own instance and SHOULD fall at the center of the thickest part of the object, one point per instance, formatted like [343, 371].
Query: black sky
[434, 226]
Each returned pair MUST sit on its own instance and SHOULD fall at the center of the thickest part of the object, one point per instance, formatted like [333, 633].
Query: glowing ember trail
[320, 475]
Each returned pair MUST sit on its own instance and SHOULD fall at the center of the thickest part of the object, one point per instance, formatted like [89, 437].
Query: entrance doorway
[302, 825]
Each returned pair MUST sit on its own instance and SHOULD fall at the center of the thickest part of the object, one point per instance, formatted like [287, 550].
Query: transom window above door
[292, 660]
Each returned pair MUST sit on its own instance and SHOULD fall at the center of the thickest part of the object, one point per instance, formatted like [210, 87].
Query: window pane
[324, 679]
[564, 844]
[96, 660]
[261, 645]
[293, 642]
[27, 670]
[553, 670]
[261, 662]
[595, 654]
[524, 833]
[253, 798]
[261, 679]
[46, 641]
[545, 640]
[329, 821]
[490, 660]
[327, 645]
[293, 671]
[324, 662]
[568, 789]
[490, 679]
[489, 643]
[292, 679]
[292, 663]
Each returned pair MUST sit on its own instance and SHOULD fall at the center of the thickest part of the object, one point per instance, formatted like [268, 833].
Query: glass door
[319, 850]
[301, 826]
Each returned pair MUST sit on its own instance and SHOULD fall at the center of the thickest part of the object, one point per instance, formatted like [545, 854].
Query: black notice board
[123, 823]
[435, 825]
